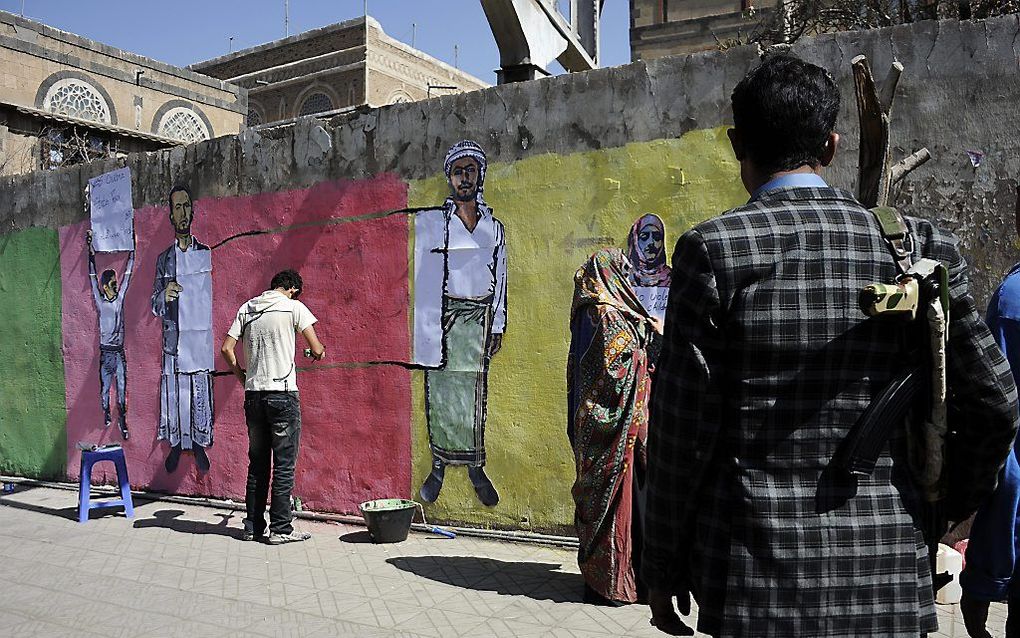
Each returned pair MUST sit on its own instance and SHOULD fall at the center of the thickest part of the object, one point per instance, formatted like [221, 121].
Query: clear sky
[182, 32]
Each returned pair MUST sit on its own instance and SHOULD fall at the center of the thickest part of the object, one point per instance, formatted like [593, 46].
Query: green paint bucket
[388, 519]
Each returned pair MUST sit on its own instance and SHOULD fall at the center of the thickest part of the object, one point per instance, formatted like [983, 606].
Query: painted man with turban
[459, 318]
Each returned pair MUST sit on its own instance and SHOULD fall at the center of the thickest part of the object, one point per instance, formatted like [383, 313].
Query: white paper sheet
[194, 311]
[429, 265]
[112, 215]
[654, 299]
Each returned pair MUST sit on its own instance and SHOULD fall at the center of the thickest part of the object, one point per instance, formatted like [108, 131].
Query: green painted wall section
[557, 211]
[33, 439]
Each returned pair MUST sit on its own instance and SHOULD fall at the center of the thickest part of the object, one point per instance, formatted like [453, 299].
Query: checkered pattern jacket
[767, 363]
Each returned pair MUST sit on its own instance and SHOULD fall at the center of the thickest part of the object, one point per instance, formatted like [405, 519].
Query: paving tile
[441, 623]
[43, 629]
[190, 577]
[328, 604]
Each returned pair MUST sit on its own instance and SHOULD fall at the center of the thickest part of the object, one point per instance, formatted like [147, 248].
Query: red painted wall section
[355, 438]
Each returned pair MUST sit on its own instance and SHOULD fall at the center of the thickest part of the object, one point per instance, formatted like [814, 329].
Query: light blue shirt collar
[790, 180]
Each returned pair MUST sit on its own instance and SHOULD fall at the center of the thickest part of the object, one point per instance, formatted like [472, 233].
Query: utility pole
[456, 51]
[414, 29]
[230, 44]
[286, 17]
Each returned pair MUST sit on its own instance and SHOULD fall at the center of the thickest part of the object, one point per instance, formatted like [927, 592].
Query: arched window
[254, 118]
[316, 103]
[77, 98]
[399, 97]
[182, 124]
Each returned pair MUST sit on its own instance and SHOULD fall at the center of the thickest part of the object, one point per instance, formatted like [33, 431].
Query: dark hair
[179, 188]
[105, 278]
[286, 279]
[784, 111]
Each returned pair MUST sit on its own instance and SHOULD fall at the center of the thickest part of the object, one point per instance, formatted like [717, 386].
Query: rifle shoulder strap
[897, 236]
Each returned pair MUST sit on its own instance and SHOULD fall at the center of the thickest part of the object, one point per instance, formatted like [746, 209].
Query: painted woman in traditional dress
[607, 423]
[646, 250]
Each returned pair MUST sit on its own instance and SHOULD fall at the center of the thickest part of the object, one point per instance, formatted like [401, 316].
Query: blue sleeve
[994, 544]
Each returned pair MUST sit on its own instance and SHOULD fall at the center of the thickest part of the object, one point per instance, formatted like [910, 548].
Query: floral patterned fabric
[607, 387]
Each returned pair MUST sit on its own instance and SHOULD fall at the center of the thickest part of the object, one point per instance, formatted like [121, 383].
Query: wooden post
[875, 176]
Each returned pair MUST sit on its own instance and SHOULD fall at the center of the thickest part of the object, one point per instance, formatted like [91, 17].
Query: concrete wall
[574, 160]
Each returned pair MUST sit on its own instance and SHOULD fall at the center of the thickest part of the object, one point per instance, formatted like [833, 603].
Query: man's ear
[829, 152]
[736, 143]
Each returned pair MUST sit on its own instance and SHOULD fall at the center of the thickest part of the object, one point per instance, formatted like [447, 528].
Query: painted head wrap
[647, 272]
[462, 149]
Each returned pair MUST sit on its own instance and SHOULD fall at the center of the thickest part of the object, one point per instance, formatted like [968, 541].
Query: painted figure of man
[109, 300]
[460, 316]
[182, 296]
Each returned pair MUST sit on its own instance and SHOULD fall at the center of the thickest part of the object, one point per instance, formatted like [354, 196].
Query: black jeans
[274, 430]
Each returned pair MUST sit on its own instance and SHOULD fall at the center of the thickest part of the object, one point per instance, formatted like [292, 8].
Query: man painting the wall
[460, 316]
[109, 299]
[182, 296]
[267, 324]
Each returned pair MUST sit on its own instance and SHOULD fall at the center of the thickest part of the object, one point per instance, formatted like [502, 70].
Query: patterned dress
[607, 388]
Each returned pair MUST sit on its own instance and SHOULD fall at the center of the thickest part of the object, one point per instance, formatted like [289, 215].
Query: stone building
[333, 69]
[667, 27]
[65, 99]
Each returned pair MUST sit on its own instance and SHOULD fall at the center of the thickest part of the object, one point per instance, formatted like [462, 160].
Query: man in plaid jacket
[767, 363]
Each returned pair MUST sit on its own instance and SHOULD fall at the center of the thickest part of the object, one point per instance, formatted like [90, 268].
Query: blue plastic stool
[90, 458]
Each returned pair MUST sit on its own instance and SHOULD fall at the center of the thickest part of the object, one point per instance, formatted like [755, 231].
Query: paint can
[388, 519]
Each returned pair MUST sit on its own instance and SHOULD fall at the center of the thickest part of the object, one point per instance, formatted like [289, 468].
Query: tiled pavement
[179, 570]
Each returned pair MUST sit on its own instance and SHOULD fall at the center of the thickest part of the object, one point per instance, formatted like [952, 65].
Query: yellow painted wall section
[559, 209]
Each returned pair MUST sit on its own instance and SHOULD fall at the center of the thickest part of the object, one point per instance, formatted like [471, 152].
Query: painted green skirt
[455, 393]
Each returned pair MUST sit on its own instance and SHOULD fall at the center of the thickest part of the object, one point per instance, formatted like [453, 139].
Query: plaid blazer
[767, 362]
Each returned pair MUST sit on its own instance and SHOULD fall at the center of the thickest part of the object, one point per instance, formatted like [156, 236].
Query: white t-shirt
[266, 326]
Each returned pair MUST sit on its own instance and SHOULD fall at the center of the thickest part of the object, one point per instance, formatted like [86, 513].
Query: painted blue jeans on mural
[112, 368]
[274, 432]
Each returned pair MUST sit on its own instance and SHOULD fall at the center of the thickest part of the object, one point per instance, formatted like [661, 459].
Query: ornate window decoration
[399, 97]
[77, 98]
[315, 103]
[183, 124]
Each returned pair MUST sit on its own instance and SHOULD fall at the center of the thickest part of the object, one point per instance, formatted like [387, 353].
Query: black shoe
[483, 486]
[201, 459]
[106, 420]
[433, 482]
[172, 459]
[123, 426]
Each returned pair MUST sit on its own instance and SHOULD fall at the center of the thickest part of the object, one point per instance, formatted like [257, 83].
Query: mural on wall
[371, 440]
[108, 297]
[182, 297]
[459, 318]
[112, 230]
[650, 272]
